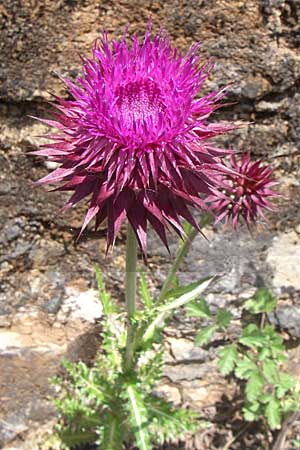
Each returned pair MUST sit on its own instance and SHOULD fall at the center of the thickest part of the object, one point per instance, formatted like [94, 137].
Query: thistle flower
[245, 193]
[134, 137]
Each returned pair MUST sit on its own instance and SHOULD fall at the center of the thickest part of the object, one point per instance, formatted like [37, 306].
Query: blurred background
[47, 290]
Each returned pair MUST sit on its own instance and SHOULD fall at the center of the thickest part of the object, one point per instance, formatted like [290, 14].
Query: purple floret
[135, 139]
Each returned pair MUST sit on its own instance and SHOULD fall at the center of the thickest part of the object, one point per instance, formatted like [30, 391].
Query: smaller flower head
[246, 192]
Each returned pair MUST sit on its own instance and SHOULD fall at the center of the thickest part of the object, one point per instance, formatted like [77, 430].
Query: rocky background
[48, 306]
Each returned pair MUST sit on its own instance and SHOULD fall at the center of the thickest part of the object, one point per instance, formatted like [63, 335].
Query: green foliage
[175, 299]
[108, 405]
[185, 294]
[112, 433]
[220, 321]
[138, 417]
[262, 302]
[104, 297]
[223, 318]
[273, 412]
[256, 358]
[144, 291]
[228, 357]
[169, 424]
[198, 309]
[204, 335]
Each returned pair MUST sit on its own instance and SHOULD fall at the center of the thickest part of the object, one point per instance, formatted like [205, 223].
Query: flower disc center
[138, 100]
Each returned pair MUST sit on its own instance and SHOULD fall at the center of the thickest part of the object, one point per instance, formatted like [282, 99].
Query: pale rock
[51, 165]
[168, 393]
[10, 339]
[5, 321]
[284, 257]
[183, 350]
[205, 393]
[82, 305]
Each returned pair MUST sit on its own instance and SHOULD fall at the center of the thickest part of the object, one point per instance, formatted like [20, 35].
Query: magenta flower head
[134, 137]
[246, 192]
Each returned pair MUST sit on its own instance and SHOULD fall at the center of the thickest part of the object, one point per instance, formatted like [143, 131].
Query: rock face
[284, 257]
[47, 282]
[254, 44]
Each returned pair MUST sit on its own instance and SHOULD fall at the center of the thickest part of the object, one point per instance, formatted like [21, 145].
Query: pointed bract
[245, 192]
[134, 137]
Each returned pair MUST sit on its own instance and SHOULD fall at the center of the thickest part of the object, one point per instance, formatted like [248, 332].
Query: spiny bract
[134, 137]
[246, 192]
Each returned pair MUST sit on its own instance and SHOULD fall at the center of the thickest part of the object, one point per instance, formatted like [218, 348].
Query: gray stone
[53, 305]
[185, 350]
[21, 249]
[287, 318]
[4, 309]
[237, 256]
[12, 229]
[10, 232]
[5, 187]
[179, 372]
[45, 253]
[57, 278]
[12, 427]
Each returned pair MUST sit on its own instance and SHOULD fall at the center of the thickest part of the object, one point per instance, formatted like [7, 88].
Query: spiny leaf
[262, 302]
[190, 292]
[205, 335]
[155, 325]
[103, 294]
[72, 438]
[138, 417]
[149, 367]
[112, 433]
[166, 310]
[228, 357]
[168, 424]
[180, 290]
[144, 291]
[198, 309]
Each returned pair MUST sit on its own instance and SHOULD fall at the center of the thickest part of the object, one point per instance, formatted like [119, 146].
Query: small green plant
[296, 443]
[110, 404]
[256, 358]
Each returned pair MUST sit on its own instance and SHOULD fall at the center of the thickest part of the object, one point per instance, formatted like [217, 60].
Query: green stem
[180, 255]
[130, 293]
